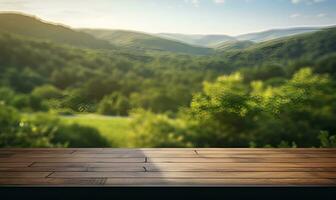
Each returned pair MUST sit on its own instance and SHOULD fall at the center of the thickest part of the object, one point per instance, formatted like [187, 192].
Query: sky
[231, 17]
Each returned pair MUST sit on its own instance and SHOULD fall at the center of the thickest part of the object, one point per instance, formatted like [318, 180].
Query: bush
[326, 140]
[153, 130]
[16, 131]
[78, 136]
[47, 92]
[114, 104]
[42, 130]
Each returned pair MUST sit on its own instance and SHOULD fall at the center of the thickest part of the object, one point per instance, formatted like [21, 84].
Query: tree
[47, 92]
[114, 104]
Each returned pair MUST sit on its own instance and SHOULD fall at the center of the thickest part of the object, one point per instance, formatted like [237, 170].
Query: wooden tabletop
[167, 167]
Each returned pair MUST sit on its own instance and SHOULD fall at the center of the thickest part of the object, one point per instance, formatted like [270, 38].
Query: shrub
[42, 130]
[78, 136]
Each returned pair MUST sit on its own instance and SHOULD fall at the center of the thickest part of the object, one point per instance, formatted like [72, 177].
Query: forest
[276, 93]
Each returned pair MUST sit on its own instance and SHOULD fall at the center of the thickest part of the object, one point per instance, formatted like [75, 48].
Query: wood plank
[255, 175]
[219, 168]
[52, 181]
[173, 167]
[241, 160]
[232, 165]
[265, 155]
[23, 174]
[265, 149]
[54, 151]
[136, 151]
[218, 182]
[108, 155]
[268, 151]
[170, 155]
[246, 165]
[76, 159]
[92, 166]
[15, 164]
[44, 169]
[164, 182]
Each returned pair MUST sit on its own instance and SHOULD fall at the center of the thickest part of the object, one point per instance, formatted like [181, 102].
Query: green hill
[305, 46]
[145, 41]
[30, 26]
[276, 33]
[199, 40]
[233, 45]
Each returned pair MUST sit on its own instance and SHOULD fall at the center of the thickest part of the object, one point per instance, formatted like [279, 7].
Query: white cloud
[219, 1]
[321, 15]
[195, 3]
[295, 15]
[307, 1]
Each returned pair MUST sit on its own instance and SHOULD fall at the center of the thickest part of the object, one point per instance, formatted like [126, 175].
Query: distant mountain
[234, 45]
[131, 41]
[145, 41]
[214, 41]
[308, 46]
[199, 40]
[30, 26]
[275, 34]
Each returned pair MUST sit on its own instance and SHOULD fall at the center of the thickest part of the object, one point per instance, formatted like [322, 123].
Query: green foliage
[258, 95]
[233, 45]
[114, 104]
[327, 141]
[80, 136]
[143, 41]
[327, 64]
[15, 131]
[43, 130]
[114, 129]
[232, 113]
[24, 102]
[237, 114]
[33, 27]
[152, 130]
[47, 92]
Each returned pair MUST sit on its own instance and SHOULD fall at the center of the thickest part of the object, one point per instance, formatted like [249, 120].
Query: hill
[30, 26]
[234, 45]
[214, 41]
[200, 40]
[275, 34]
[145, 41]
[308, 46]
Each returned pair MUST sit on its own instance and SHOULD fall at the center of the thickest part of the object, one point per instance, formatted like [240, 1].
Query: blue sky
[232, 17]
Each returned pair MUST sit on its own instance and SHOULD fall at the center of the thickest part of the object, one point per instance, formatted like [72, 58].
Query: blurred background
[180, 73]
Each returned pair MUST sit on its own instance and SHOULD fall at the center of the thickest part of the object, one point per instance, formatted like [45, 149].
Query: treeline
[233, 112]
[48, 76]
[84, 80]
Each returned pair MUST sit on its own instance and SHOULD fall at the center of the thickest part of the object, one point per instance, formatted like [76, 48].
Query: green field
[113, 128]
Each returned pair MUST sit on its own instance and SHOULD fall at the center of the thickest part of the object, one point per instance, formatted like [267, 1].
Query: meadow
[115, 129]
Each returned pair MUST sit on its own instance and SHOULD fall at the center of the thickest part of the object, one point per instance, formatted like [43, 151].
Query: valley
[68, 87]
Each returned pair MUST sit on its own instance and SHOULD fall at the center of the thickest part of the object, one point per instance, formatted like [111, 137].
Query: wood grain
[167, 167]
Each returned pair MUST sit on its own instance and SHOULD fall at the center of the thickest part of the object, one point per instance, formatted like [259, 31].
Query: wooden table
[168, 167]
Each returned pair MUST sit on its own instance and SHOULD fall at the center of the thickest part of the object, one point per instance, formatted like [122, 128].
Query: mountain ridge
[31, 26]
[194, 44]
[147, 41]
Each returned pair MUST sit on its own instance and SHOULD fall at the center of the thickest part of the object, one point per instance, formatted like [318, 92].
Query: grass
[115, 129]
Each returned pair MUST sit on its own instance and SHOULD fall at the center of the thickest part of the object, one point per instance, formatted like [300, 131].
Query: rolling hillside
[234, 45]
[145, 41]
[30, 26]
[308, 46]
[275, 34]
[200, 40]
